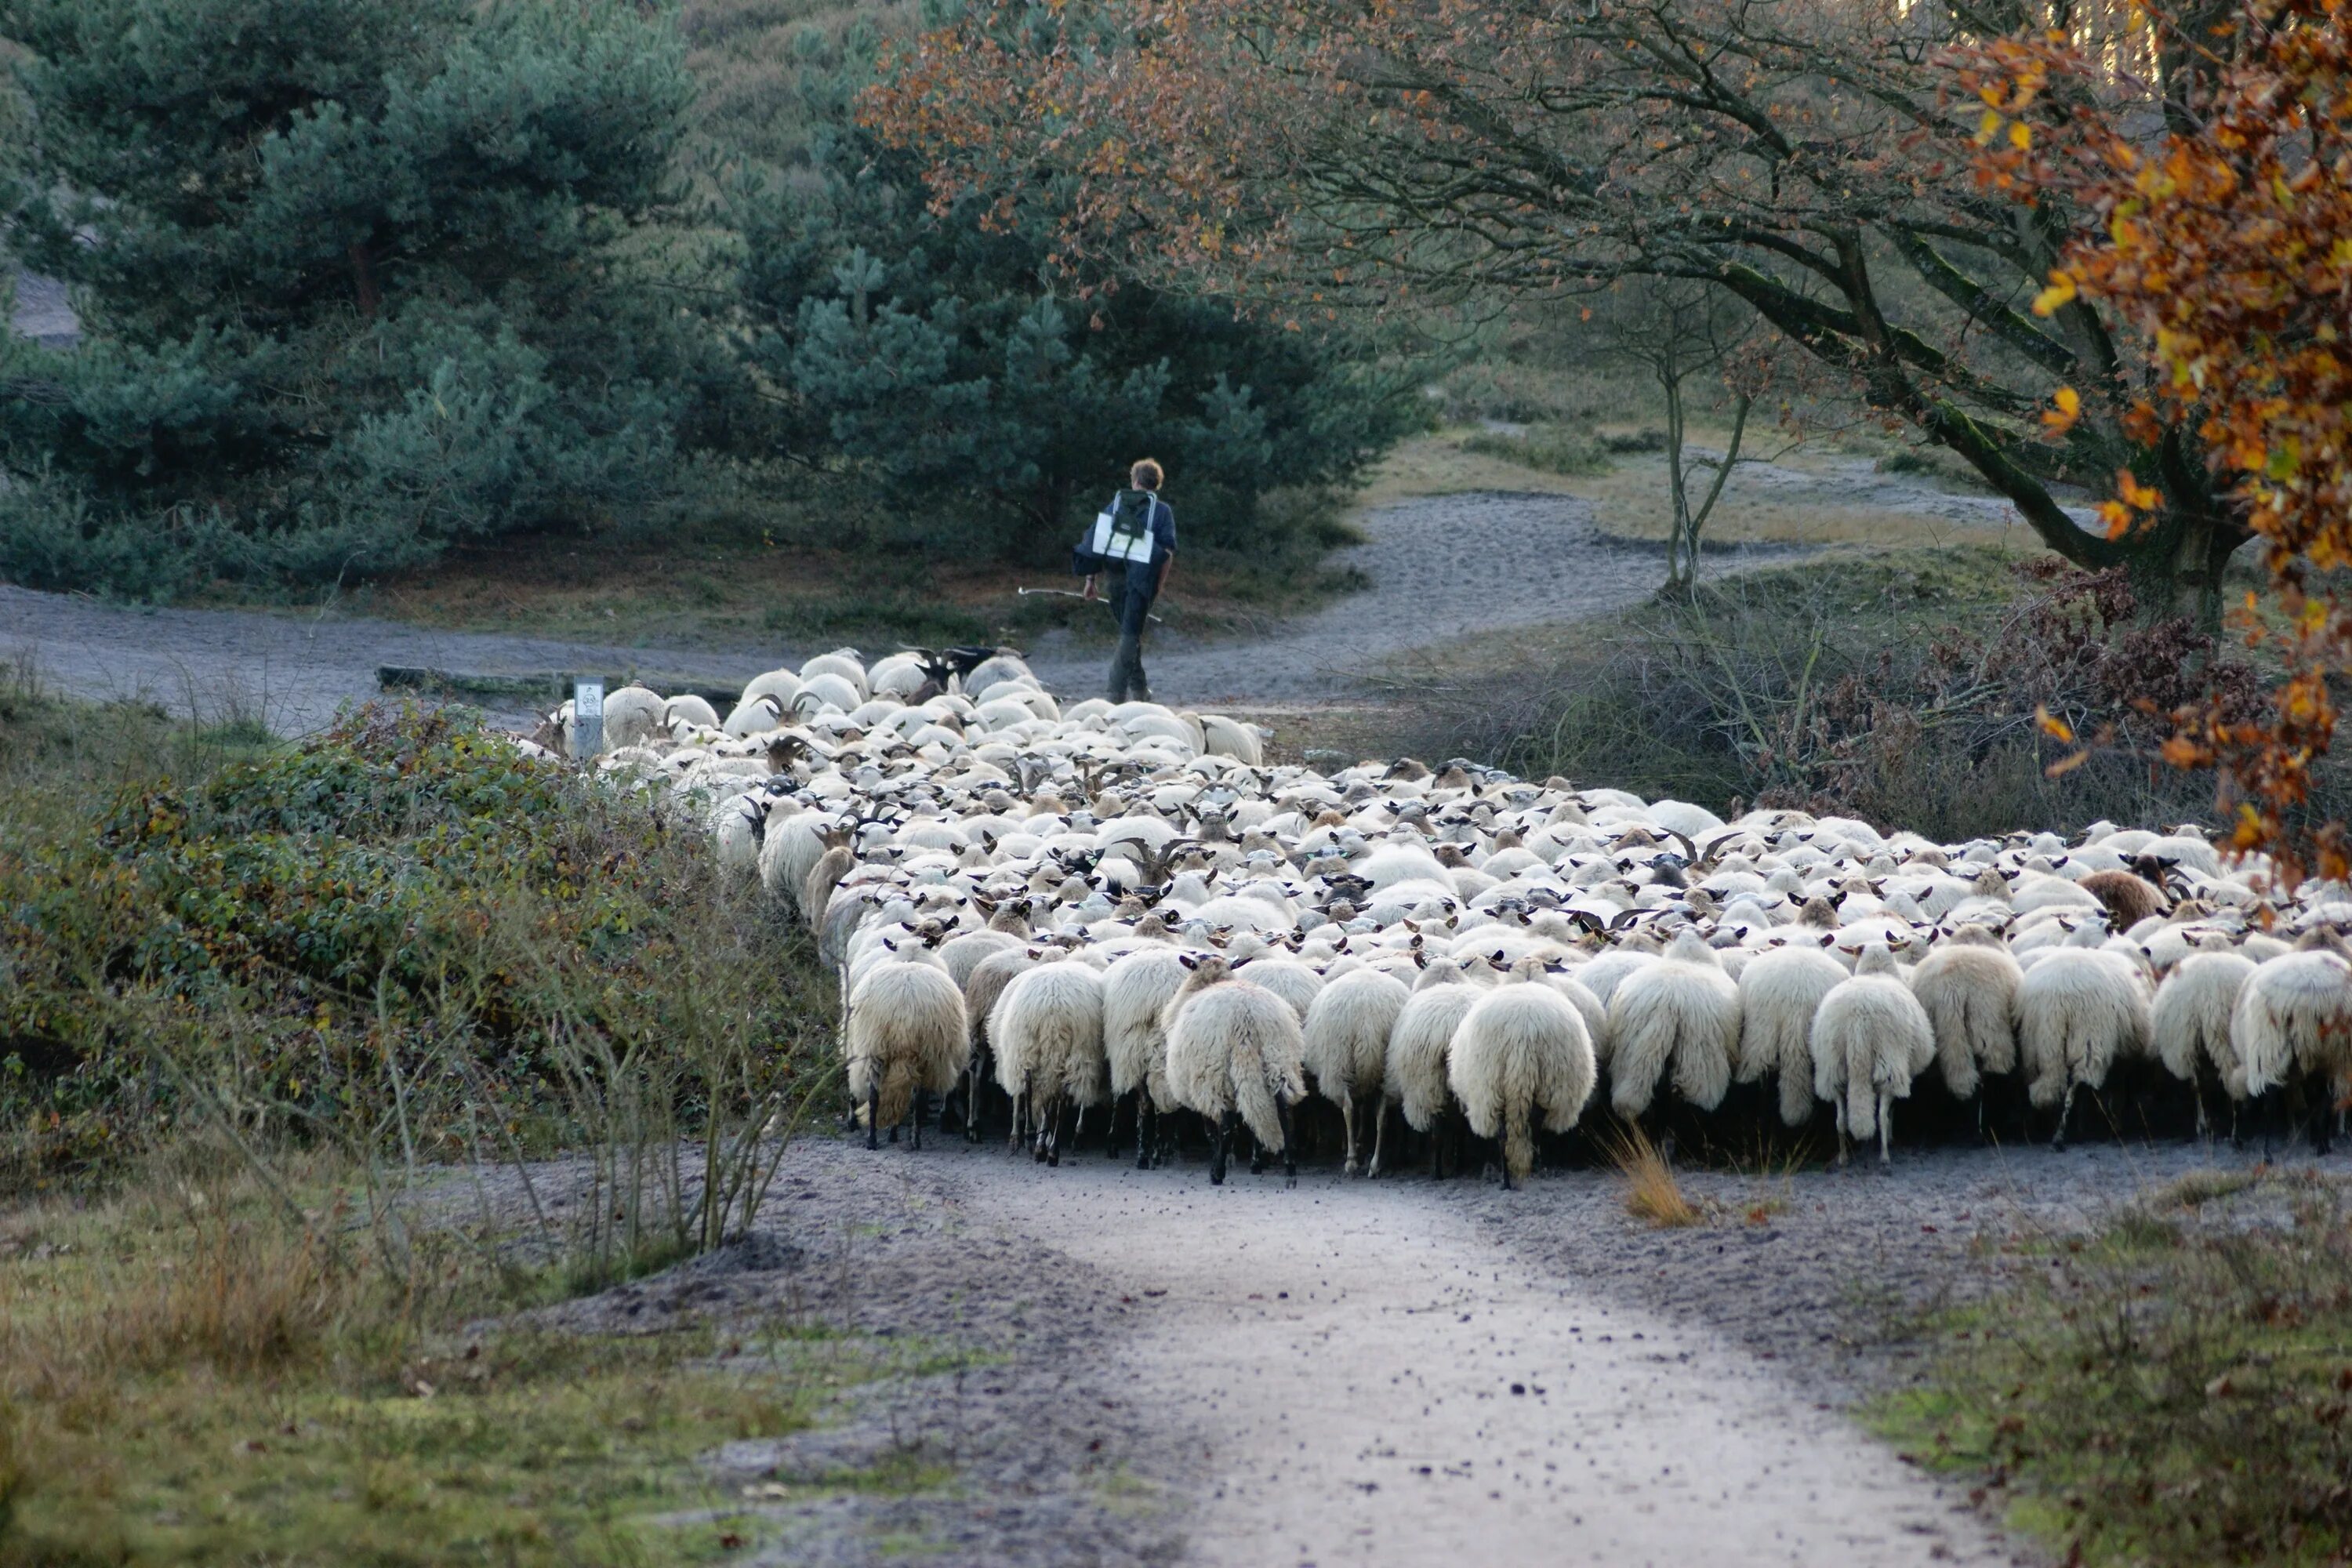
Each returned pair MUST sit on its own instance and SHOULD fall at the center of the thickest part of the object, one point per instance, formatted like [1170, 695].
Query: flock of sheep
[1076, 908]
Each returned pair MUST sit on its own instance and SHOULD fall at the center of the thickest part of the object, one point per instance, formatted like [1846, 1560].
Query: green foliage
[2173, 1391]
[996, 400]
[359, 277]
[402, 906]
[1548, 449]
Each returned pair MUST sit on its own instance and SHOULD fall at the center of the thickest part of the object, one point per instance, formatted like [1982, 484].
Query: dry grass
[1810, 501]
[1653, 1192]
[210, 1366]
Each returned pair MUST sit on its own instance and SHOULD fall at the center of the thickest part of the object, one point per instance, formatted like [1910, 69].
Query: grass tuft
[1652, 1194]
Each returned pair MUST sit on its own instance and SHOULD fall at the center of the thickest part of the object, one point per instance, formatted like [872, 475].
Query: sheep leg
[972, 1100]
[1347, 1120]
[1224, 1142]
[1379, 1132]
[2065, 1111]
[1258, 1155]
[1146, 1116]
[1840, 1133]
[1289, 1146]
[1885, 1133]
[874, 1112]
[916, 1141]
[2323, 1117]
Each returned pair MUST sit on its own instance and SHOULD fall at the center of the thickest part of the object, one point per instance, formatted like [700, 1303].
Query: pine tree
[359, 279]
[996, 399]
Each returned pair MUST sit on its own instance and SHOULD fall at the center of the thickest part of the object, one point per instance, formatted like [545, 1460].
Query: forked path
[1380, 1385]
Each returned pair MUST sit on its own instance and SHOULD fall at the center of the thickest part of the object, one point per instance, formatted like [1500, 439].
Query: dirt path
[1262, 1377]
[1383, 1385]
[291, 671]
[1440, 566]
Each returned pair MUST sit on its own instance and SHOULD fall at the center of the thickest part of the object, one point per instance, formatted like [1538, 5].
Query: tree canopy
[996, 395]
[358, 278]
[2226, 243]
[1811, 160]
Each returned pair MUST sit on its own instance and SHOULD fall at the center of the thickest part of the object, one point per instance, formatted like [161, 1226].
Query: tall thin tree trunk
[1679, 569]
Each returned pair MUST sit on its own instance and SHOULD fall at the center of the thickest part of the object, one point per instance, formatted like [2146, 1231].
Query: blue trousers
[1130, 594]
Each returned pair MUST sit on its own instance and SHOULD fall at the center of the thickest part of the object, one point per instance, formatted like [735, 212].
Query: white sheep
[1415, 1079]
[2293, 1022]
[1135, 988]
[1347, 1046]
[1870, 1037]
[907, 1037]
[1682, 1010]
[2078, 1010]
[2190, 1020]
[1233, 1053]
[1520, 1051]
[1967, 983]
[982, 987]
[690, 710]
[1047, 1031]
[1780, 992]
[756, 715]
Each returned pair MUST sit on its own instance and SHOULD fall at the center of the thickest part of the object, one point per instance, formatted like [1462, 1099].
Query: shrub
[1901, 689]
[1548, 448]
[401, 919]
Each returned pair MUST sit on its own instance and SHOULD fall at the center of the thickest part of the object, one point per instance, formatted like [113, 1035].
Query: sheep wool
[1519, 1051]
[2078, 1009]
[1047, 1031]
[907, 1035]
[1347, 1042]
[1417, 1060]
[2191, 1021]
[1233, 1050]
[1967, 983]
[1780, 993]
[1682, 1012]
[1135, 988]
[1870, 1037]
[2294, 1015]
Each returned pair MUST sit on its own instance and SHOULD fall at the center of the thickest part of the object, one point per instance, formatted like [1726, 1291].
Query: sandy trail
[1379, 1384]
[1440, 566]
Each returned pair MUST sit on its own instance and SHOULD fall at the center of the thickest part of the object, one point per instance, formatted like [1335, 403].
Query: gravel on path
[1441, 567]
[1266, 1376]
[290, 671]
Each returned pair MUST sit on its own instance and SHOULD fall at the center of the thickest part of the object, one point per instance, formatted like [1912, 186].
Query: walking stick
[1073, 594]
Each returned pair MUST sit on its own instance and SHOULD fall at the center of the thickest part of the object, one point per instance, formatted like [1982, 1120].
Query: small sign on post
[587, 718]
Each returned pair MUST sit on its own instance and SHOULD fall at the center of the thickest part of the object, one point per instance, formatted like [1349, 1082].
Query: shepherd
[1133, 542]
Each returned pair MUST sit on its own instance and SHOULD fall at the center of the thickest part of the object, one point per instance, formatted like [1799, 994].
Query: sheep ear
[1498, 960]
[1187, 961]
[1828, 940]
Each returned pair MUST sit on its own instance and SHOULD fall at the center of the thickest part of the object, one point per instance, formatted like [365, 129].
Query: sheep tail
[1519, 1139]
[1861, 1092]
[1254, 1096]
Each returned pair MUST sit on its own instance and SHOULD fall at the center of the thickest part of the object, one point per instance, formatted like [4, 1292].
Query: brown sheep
[2129, 900]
